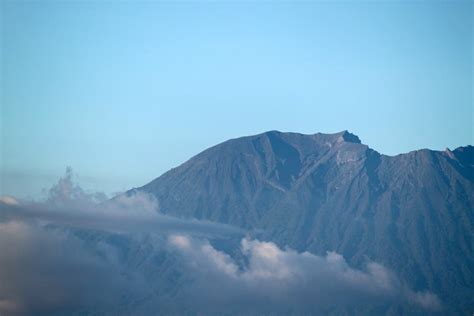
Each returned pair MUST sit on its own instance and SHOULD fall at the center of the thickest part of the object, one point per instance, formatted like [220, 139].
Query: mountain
[412, 212]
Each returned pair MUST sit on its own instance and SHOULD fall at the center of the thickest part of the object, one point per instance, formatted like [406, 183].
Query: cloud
[268, 279]
[8, 200]
[72, 250]
[79, 252]
[67, 193]
[43, 271]
[68, 204]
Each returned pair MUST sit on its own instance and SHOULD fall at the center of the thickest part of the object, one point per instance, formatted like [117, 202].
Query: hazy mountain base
[62, 270]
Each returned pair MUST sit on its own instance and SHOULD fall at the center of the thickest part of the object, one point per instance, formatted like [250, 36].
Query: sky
[124, 91]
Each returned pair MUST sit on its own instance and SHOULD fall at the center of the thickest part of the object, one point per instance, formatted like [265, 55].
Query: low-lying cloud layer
[270, 279]
[42, 272]
[76, 251]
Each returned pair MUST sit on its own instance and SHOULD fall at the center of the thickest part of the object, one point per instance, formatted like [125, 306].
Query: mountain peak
[346, 136]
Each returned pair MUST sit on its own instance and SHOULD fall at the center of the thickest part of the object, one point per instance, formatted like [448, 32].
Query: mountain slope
[412, 212]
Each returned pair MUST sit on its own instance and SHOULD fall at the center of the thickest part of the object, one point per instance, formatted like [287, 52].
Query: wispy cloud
[68, 204]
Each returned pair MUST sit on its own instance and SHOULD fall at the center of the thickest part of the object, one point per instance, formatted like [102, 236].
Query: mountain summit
[349, 137]
[412, 212]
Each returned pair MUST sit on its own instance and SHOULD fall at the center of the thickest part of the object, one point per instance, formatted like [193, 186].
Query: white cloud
[288, 280]
[9, 200]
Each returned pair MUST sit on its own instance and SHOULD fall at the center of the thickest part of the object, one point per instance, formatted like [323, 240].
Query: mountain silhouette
[412, 212]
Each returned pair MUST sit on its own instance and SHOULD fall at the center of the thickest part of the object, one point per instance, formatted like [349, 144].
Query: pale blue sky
[125, 91]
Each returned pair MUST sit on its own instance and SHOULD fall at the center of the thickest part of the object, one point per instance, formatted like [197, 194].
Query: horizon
[69, 170]
[123, 92]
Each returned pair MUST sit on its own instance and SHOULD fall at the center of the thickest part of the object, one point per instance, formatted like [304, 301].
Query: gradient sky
[122, 92]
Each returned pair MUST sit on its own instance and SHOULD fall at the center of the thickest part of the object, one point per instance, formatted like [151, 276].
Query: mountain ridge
[342, 136]
[329, 192]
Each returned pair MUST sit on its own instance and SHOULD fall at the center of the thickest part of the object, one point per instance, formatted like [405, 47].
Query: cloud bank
[271, 280]
[79, 252]
[45, 272]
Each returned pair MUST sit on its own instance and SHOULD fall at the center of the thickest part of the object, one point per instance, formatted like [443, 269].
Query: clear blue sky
[125, 91]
